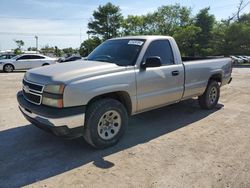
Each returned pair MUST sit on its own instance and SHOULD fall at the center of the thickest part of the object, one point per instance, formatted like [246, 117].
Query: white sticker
[136, 42]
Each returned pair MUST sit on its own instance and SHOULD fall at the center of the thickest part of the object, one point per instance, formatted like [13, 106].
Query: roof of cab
[144, 37]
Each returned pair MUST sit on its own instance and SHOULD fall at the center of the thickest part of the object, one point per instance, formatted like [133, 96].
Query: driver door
[158, 86]
[23, 62]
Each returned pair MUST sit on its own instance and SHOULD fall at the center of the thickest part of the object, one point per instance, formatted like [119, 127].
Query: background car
[7, 56]
[237, 60]
[248, 57]
[26, 61]
[243, 58]
[71, 58]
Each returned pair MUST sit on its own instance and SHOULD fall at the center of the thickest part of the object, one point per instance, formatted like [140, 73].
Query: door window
[162, 49]
[24, 57]
[36, 57]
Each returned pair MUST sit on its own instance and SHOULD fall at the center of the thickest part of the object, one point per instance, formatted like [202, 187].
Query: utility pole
[108, 26]
[36, 37]
[80, 36]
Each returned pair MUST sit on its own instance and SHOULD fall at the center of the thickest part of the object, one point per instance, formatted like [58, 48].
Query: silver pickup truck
[121, 77]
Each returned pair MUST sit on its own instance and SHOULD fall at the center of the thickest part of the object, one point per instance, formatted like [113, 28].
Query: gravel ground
[176, 146]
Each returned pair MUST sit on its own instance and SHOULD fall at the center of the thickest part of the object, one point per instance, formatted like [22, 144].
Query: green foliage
[205, 21]
[19, 44]
[107, 21]
[134, 25]
[47, 50]
[168, 18]
[89, 45]
[237, 39]
[17, 51]
[31, 49]
[186, 39]
[69, 51]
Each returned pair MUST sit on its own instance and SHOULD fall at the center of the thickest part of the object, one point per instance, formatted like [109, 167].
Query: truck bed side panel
[199, 72]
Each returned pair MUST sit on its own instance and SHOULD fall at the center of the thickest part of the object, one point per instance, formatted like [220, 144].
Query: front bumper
[63, 122]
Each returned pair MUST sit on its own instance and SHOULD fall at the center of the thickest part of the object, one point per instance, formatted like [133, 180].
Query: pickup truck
[93, 98]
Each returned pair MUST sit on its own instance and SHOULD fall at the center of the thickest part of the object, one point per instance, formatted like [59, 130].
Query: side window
[36, 57]
[24, 57]
[161, 48]
[3, 57]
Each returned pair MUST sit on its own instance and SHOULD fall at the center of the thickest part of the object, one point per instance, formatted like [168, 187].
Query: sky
[63, 23]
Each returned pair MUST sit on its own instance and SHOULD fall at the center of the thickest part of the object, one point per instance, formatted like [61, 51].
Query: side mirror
[153, 61]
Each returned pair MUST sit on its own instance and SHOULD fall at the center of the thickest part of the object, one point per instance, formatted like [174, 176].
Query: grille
[32, 86]
[32, 92]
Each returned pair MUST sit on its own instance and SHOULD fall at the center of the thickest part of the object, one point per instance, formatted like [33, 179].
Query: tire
[211, 96]
[105, 123]
[8, 68]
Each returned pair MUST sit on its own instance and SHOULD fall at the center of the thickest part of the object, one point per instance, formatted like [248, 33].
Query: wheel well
[122, 96]
[216, 77]
[45, 64]
[10, 64]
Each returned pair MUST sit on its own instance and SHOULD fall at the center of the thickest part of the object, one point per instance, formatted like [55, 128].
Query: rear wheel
[210, 97]
[106, 121]
[8, 68]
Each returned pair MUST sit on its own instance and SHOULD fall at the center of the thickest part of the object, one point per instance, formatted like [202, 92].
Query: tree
[134, 25]
[168, 18]
[31, 49]
[237, 39]
[69, 51]
[205, 21]
[57, 52]
[107, 21]
[217, 41]
[245, 19]
[19, 44]
[89, 45]
[186, 39]
[47, 50]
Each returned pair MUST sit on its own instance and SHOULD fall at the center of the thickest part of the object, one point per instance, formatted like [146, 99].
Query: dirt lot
[176, 146]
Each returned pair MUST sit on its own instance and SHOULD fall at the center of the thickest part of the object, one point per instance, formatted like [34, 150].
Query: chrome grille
[32, 92]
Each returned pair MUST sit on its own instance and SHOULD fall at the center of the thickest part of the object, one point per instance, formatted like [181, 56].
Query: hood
[71, 71]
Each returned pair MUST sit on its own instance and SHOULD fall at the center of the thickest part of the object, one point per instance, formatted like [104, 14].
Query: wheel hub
[109, 124]
[213, 95]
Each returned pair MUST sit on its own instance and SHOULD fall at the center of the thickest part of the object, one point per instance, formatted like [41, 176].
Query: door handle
[175, 73]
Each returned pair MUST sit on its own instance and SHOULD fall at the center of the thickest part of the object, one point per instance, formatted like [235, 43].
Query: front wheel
[211, 96]
[106, 121]
[8, 68]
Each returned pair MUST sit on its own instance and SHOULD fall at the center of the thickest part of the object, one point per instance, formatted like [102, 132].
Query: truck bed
[192, 58]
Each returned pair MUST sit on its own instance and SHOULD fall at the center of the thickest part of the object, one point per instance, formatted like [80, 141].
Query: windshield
[122, 52]
[15, 57]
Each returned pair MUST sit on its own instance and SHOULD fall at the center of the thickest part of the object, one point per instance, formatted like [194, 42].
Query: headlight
[53, 95]
[1, 63]
[58, 103]
[55, 89]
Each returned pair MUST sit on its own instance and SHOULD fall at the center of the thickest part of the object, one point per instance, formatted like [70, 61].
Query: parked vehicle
[122, 77]
[244, 59]
[237, 60]
[248, 57]
[71, 58]
[25, 61]
[7, 56]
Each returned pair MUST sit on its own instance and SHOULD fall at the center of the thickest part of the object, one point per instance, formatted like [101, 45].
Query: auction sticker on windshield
[136, 42]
